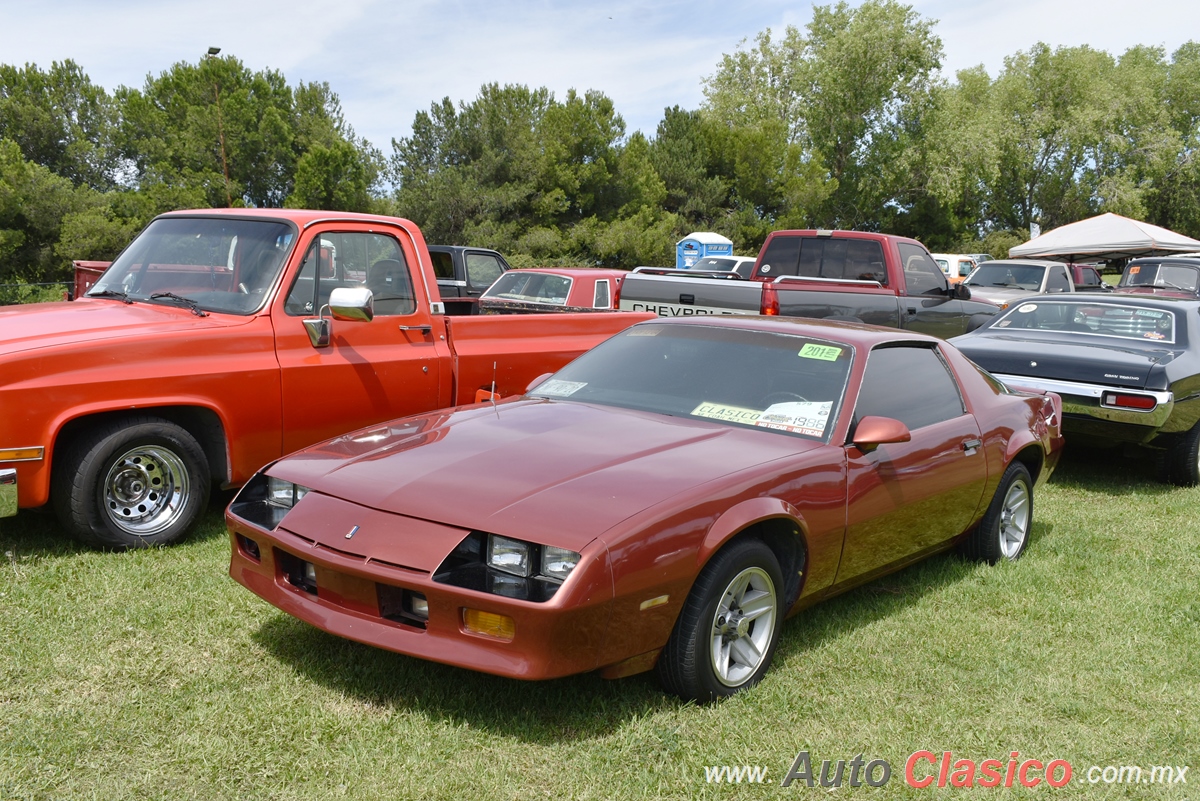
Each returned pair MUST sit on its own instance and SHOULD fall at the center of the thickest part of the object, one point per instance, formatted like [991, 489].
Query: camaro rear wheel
[131, 483]
[1183, 460]
[1004, 530]
[729, 626]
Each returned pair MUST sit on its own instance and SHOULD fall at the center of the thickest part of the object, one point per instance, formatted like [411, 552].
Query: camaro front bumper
[351, 596]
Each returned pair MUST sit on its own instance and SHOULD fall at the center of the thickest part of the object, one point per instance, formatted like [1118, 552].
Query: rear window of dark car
[824, 257]
[1099, 319]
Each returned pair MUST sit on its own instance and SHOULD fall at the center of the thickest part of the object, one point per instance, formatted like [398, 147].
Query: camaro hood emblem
[352, 532]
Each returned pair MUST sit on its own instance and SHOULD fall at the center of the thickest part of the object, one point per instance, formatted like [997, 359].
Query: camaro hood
[41, 325]
[1067, 357]
[547, 471]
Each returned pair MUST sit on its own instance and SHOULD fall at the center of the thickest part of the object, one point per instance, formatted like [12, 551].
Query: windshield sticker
[826, 353]
[1157, 315]
[559, 388]
[1135, 269]
[1004, 324]
[730, 414]
[805, 417]
[1027, 308]
[1154, 335]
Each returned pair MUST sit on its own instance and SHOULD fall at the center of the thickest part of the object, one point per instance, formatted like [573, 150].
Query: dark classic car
[1172, 276]
[553, 289]
[662, 502]
[1127, 368]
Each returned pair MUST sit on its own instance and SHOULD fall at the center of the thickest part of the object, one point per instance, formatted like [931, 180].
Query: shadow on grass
[38, 530]
[579, 707]
[1110, 471]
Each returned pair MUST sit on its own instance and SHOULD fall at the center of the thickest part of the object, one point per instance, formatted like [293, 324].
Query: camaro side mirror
[871, 432]
[537, 381]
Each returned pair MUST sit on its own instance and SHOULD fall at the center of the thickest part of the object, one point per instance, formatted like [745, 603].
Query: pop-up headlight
[284, 493]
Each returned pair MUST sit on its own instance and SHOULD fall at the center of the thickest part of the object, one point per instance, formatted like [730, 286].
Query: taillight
[1123, 400]
[770, 300]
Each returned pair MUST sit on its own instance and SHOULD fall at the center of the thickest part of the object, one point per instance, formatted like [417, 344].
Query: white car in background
[956, 266]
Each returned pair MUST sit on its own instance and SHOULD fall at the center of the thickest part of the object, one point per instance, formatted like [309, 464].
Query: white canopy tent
[1109, 236]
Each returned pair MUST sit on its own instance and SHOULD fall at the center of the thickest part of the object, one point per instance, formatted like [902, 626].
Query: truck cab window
[921, 273]
[349, 260]
[482, 270]
[1058, 280]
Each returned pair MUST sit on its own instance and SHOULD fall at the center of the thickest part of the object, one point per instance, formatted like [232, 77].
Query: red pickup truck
[220, 340]
[848, 275]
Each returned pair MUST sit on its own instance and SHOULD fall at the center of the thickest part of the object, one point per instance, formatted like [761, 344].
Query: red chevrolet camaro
[664, 501]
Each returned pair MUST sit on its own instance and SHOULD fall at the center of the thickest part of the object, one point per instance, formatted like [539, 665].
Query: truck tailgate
[512, 350]
[686, 296]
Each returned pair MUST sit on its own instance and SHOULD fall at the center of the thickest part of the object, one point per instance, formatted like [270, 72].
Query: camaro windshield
[220, 265]
[757, 379]
[1099, 319]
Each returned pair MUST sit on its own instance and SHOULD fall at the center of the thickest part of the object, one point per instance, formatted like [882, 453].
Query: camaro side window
[911, 384]
[350, 260]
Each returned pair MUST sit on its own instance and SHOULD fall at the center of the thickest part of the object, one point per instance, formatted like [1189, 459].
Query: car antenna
[493, 385]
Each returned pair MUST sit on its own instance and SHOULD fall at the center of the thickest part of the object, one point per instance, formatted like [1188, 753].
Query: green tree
[238, 137]
[59, 120]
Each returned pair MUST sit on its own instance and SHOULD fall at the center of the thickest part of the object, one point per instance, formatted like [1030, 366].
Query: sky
[388, 59]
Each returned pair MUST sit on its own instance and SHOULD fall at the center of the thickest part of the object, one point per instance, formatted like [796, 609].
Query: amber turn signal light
[489, 624]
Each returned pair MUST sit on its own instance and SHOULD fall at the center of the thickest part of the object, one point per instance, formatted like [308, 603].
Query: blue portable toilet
[694, 247]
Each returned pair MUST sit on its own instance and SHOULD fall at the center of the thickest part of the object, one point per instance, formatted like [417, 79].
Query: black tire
[1183, 459]
[132, 482]
[688, 665]
[1003, 532]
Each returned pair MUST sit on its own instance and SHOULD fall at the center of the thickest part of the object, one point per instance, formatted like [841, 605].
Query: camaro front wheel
[131, 483]
[729, 626]
[1004, 530]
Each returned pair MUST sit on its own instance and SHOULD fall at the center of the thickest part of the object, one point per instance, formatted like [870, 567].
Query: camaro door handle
[424, 329]
[970, 445]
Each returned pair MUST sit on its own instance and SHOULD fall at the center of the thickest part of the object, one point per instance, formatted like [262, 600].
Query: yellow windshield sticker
[730, 414]
[826, 353]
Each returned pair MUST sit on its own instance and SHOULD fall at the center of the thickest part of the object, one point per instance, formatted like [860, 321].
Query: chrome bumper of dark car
[1088, 399]
[8, 492]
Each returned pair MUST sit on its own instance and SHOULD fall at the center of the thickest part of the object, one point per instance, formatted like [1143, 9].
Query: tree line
[848, 123]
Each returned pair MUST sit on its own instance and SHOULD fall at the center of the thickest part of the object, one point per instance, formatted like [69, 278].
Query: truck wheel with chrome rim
[726, 633]
[131, 483]
[1004, 530]
[1183, 460]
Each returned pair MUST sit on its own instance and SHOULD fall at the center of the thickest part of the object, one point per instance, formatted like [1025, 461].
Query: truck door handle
[424, 329]
[971, 445]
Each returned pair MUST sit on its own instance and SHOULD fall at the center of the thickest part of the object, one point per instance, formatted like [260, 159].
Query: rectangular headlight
[557, 563]
[511, 556]
[284, 493]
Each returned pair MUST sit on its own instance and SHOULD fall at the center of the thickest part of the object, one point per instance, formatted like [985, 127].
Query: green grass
[152, 675]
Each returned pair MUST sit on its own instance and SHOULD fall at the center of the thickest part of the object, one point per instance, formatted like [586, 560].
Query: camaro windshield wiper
[111, 293]
[191, 304]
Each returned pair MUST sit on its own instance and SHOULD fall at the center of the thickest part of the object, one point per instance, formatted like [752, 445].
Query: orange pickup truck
[220, 340]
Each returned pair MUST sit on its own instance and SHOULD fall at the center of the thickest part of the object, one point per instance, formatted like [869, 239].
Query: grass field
[152, 675]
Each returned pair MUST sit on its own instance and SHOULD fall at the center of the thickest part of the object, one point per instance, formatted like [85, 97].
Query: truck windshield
[721, 374]
[222, 265]
[1013, 276]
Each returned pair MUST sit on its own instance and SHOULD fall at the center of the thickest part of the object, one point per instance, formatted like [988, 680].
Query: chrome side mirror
[318, 329]
[352, 303]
